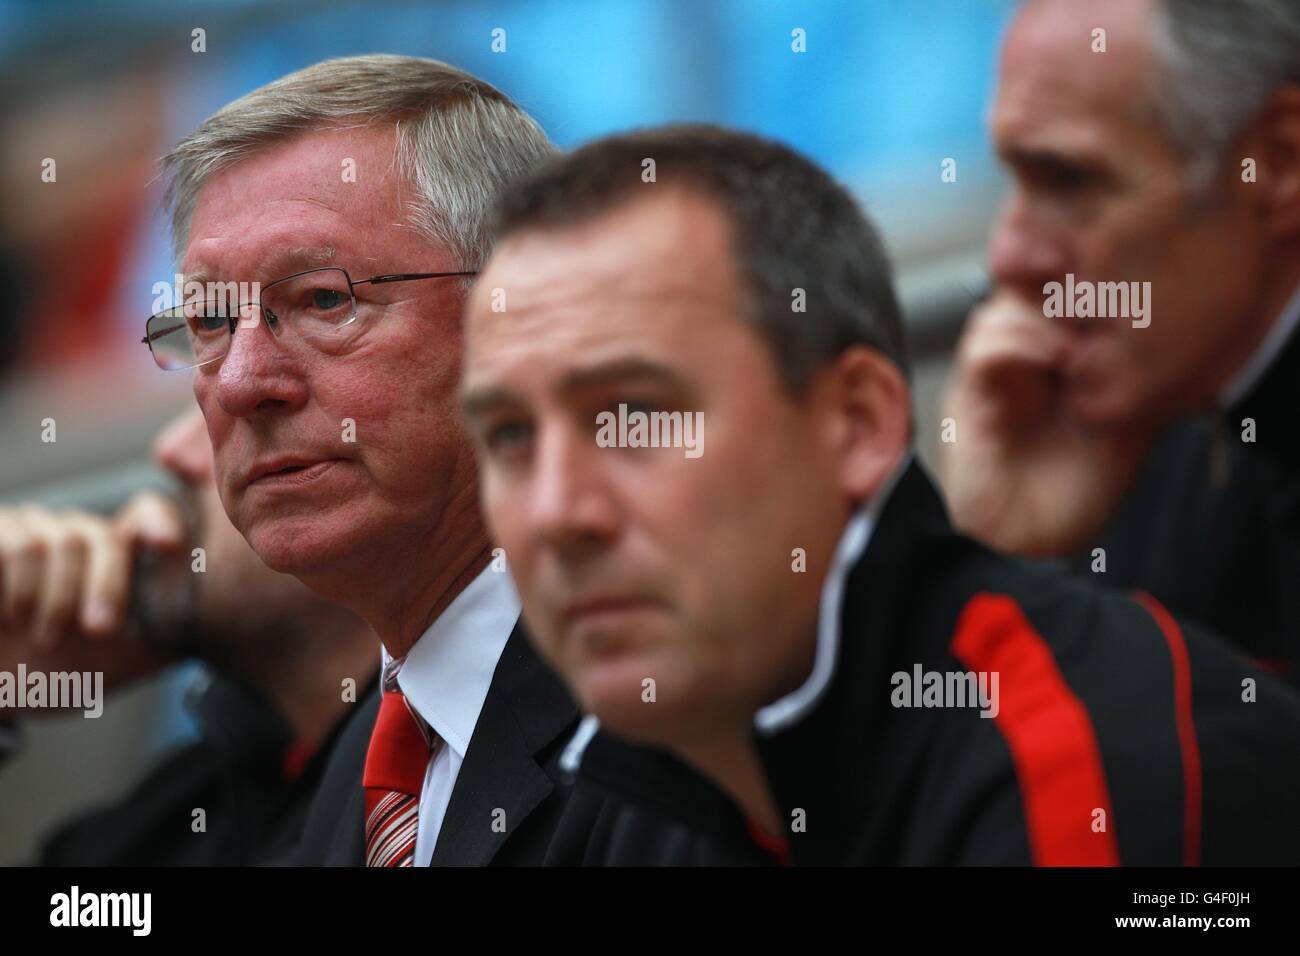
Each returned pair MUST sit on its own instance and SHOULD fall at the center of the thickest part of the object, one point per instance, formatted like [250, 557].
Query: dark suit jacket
[512, 764]
[1212, 527]
[244, 771]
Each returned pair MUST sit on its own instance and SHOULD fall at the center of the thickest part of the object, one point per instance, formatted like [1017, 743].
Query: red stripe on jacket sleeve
[1047, 728]
[1187, 742]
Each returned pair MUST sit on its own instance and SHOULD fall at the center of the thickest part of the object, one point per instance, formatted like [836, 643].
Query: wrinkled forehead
[654, 270]
[629, 298]
[1066, 62]
[301, 201]
[666, 245]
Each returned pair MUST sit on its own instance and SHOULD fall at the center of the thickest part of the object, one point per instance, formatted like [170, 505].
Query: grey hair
[459, 140]
[1219, 61]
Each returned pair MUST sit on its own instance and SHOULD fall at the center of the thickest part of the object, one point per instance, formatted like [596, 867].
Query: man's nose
[258, 374]
[572, 506]
[1025, 252]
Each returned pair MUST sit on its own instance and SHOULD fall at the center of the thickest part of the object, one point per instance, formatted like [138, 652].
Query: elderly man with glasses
[330, 401]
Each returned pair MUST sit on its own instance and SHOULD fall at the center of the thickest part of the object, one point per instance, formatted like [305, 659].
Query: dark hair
[793, 227]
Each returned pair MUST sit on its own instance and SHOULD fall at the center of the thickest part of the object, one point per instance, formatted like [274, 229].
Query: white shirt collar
[853, 543]
[1275, 340]
[446, 674]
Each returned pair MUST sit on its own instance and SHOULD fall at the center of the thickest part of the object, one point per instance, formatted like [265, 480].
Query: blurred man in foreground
[1162, 172]
[285, 667]
[789, 612]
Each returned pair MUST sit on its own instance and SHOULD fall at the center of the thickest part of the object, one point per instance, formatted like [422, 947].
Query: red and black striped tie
[400, 746]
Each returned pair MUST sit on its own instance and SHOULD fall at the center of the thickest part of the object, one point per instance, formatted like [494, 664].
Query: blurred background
[91, 94]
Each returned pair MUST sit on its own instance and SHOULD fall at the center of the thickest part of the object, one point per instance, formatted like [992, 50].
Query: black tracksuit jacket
[1121, 737]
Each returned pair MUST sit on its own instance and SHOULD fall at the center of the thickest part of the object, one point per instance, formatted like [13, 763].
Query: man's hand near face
[1021, 473]
[66, 583]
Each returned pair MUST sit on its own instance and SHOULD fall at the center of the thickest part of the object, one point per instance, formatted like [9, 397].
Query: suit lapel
[334, 832]
[501, 782]
[349, 846]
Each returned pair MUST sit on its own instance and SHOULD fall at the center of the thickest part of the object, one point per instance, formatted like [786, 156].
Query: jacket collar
[854, 540]
[882, 556]
[1273, 399]
[525, 712]
[1274, 406]
[447, 673]
[1265, 355]
[821, 763]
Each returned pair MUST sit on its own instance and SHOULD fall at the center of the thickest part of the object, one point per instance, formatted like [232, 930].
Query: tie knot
[391, 669]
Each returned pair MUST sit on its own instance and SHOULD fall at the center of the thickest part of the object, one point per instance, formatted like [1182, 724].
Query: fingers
[62, 572]
[106, 582]
[1006, 332]
[1008, 369]
[152, 519]
[64, 553]
[22, 562]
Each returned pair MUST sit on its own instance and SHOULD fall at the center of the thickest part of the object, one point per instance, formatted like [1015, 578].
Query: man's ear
[1279, 162]
[870, 405]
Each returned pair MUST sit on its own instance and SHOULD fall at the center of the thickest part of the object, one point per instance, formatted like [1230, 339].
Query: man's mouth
[289, 473]
[606, 615]
[1085, 329]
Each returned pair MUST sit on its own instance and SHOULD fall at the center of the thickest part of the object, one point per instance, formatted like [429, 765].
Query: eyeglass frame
[235, 319]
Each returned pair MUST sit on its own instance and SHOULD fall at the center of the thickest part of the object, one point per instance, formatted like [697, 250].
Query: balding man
[1129, 393]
